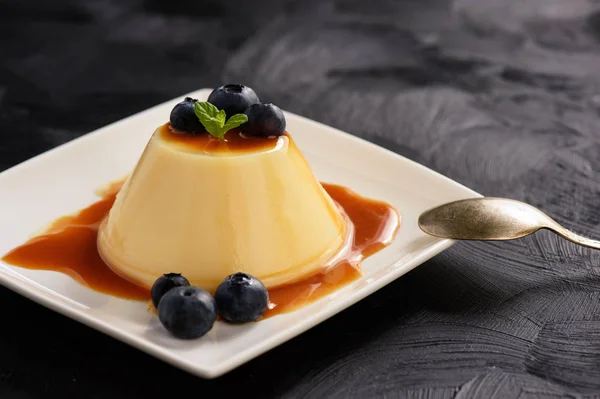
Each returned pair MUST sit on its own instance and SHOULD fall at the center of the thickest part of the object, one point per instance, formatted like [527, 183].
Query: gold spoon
[493, 219]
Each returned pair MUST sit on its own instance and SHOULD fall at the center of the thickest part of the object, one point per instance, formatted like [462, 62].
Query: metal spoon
[492, 219]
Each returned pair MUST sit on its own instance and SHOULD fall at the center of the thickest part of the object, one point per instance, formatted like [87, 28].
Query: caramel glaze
[69, 246]
[375, 225]
[233, 142]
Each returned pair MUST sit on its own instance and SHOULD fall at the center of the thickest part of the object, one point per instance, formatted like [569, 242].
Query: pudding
[208, 208]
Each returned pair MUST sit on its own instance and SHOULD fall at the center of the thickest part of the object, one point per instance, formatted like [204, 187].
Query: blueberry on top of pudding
[233, 98]
[184, 119]
[264, 120]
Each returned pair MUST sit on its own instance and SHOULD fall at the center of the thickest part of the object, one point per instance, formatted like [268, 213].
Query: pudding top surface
[234, 143]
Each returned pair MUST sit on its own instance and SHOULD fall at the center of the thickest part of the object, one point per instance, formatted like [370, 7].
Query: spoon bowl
[491, 219]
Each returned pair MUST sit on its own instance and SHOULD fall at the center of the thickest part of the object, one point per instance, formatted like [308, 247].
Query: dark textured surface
[500, 95]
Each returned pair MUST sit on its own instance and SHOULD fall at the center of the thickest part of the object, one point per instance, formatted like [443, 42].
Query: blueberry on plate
[164, 284]
[233, 99]
[184, 119]
[187, 312]
[264, 120]
[241, 298]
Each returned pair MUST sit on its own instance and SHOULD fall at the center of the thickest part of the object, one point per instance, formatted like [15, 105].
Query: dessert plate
[66, 178]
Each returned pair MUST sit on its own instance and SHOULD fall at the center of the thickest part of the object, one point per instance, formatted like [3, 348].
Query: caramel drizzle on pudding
[69, 246]
[234, 141]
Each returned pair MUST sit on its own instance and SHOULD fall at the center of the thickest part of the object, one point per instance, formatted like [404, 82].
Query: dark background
[500, 95]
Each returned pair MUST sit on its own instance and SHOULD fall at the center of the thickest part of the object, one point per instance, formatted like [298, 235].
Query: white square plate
[64, 180]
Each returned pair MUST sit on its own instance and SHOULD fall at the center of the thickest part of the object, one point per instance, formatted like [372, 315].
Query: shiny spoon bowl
[491, 219]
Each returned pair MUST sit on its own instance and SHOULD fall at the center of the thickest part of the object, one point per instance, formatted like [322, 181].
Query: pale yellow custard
[208, 209]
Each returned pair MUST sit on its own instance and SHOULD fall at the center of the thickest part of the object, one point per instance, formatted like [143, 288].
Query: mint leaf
[210, 116]
[221, 116]
[213, 127]
[235, 121]
[214, 120]
[205, 108]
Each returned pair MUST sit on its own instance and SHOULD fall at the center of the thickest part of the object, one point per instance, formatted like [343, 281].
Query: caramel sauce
[375, 224]
[69, 246]
[234, 141]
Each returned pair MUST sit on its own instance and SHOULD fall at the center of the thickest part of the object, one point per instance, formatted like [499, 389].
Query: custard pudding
[209, 207]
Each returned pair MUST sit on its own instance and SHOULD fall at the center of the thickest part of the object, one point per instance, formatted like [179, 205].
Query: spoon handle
[576, 238]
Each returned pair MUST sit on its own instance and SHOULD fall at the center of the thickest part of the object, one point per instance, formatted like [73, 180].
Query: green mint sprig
[214, 120]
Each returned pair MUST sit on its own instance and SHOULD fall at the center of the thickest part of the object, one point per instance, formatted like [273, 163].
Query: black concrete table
[502, 96]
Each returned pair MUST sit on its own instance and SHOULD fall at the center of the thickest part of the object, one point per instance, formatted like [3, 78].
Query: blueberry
[184, 119]
[164, 284]
[241, 298]
[264, 120]
[187, 312]
[233, 99]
